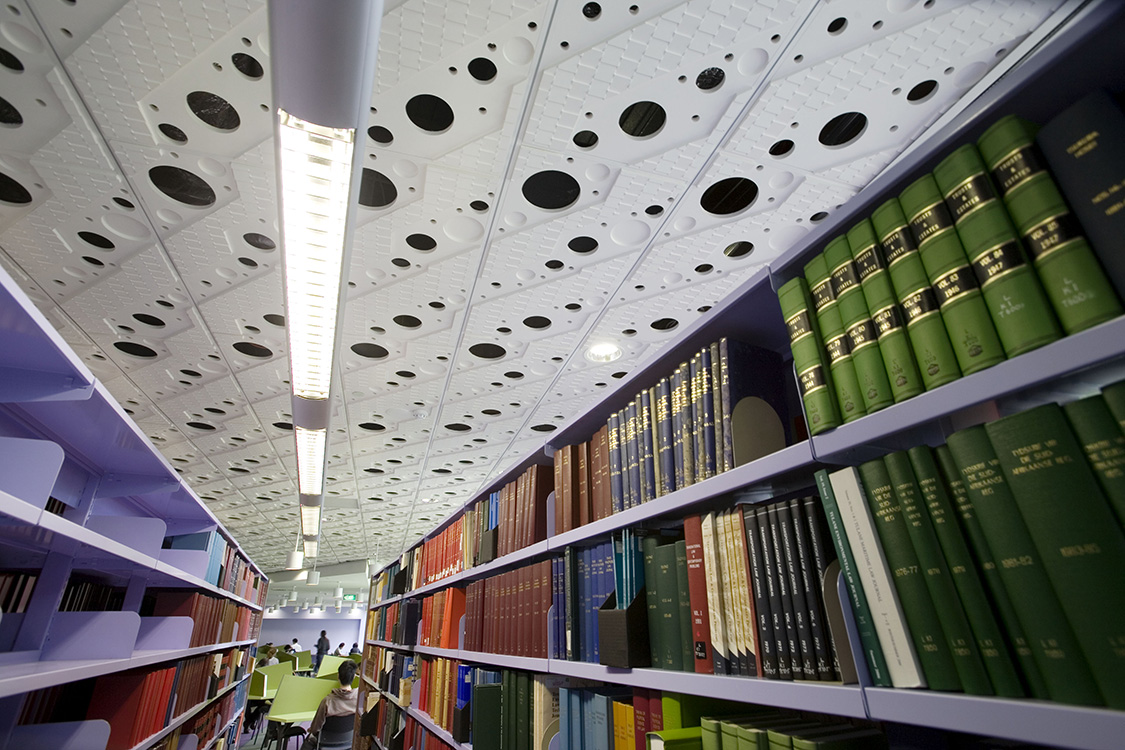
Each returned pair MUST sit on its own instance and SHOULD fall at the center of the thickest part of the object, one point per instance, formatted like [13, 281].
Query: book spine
[683, 603]
[745, 581]
[715, 603]
[835, 340]
[655, 630]
[667, 607]
[822, 556]
[763, 626]
[668, 474]
[809, 358]
[1085, 148]
[726, 408]
[1104, 445]
[887, 323]
[687, 436]
[1020, 310]
[1081, 546]
[733, 594]
[963, 309]
[632, 441]
[1080, 293]
[929, 340]
[615, 483]
[989, 639]
[1049, 635]
[695, 376]
[651, 436]
[935, 572]
[583, 494]
[718, 408]
[863, 339]
[813, 586]
[781, 605]
[711, 457]
[697, 592]
[570, 573]
[797, 592]
[676, 415]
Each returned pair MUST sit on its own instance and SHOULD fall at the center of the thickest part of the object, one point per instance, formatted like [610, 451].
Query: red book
[697, 591]
[640, 717]
[117, 700]
[541, 486]
[583, 483]
[597, 511]
[454, 611]
[655, 711]
[564, 494]
[557, 465]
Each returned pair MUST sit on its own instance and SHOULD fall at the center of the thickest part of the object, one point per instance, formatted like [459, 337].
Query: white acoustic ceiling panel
[539, 176]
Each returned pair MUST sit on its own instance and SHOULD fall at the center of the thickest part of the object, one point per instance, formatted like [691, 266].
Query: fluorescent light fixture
[311, 546]
[310, 521]
[339, 593]
[606, 351]
[313, 579]
[316, 175]
[294, 560]
[293, 595]
[310, 460]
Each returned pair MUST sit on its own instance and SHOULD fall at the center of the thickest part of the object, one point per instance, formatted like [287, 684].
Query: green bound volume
[886, 314]
[809, 358]
[1006, 612]
[1104, 444]
[868, 638]
[667, 608]
[849, 398]
[1049, 634]
[1077, 535]
[936, 360]
[861, 334]
[951, 614]
[683, 603]
[1070, 273]
[1114, 395]
[652, 599]
[921, 616]
[963, 309]
[1020, 310]
[962, 570]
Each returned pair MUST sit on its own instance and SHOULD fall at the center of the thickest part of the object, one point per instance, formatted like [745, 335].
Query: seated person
[340, 702]
[269, 658]
[339, 650]
[355, 649]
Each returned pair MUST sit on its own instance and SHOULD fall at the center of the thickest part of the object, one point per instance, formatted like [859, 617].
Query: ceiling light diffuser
[605, 351]
[310, 460]
[311, 547]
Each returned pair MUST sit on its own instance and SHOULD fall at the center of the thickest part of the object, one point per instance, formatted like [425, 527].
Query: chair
[277, 735]
[336, 734]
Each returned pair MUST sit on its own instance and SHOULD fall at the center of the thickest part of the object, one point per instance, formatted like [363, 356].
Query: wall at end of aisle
[283, 625]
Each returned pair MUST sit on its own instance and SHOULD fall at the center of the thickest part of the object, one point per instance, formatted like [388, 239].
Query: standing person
[322, 646]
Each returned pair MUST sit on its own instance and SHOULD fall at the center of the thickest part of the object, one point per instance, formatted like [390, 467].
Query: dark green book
[665, 456]
[695, 376]
[523, 711]
[868, 638]
[986, 564]
[951, 614]
[1104, 445]
[836, 343]
[887, 320]
[721, 423]
[1114, 395]
[963, 309]
[1048, 632]
[921, 617]
[652, 599]
[1084, 146]
[647, 446]
[862, 339]
[809, 358]
[1020, 309]
[486, 706]
[683, 603]
[962, 571]
[508, 709]
[667, 608]
[1074, 281]
[1076, 533]
[778, 625]
[933, 352]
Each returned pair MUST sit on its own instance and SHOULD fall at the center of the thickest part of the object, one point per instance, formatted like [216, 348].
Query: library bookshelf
[1081, 53]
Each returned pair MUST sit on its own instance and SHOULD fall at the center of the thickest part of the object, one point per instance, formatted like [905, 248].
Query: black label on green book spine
[862, 334]
[838, 349]
[970, 195]
[868, 261]
[888, 320]
[955, 284]
[822, 295]
[844, 278]
[898, 244]
[931, 221]
[812, 380]
[1017, 167]
[799, 327]
[920, 304]
[997, 261]
[1051, 234]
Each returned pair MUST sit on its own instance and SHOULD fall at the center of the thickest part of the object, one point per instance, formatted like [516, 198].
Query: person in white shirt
[296, 646]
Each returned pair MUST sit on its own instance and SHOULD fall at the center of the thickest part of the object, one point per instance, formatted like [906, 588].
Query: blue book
[577, 738]
[707, 401]
[585, 568]
[665, 444]
[564, 717]
[464, 685]
[632, 443]
[616, 485]
[598, 597]
[572, 614]
[619, 568]
[648, 452]
[560, 611]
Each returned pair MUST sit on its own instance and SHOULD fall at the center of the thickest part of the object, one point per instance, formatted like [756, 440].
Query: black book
[773, 590]
[751, 375]
[763, 626]
[710, 461]
[570, 589]
[822, 556]
[787, 530]
[814, 598]
[785, 595]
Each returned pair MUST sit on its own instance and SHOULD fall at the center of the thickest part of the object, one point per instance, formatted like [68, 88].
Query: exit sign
[350, 597]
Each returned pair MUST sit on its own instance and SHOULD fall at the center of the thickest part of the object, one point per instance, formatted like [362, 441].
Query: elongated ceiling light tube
[310, 460]
[310, 522]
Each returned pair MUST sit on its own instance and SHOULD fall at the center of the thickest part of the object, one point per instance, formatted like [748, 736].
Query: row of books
[975, 263]
[217, 619]
[15, 590]
[518, 710]
[392, 671]
[226, 569]
[384, 722]
[507, 613]
[720, 409]
[86, 594]
[992, 564]
[587, 581]
[770, 729]
[397, 622]
[441, 618]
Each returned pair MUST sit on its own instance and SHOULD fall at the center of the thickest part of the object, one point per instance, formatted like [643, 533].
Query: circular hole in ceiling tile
[9, 115]
[92, 261]
[843, 129]
[591, 10]
[543, 427]
[376, 189]
[192, 373]
[423, 242]
[247, 65]
[922, 91]
[490, 412]
[837, 25]
[551, 189]
[250, 349]
[407, 321]
[654, 210]
[135, 350]
[642, 119]
[371, 426]
[379, 134]
[458, 427]
[573, 306]
[513, 374]
[126, 204]
[213, 410]
[710, 79]
[738, 249]
[181, 185]
[818, 217]
[437, 305]
[10, 61]
[431, 113]
[371, 351]
[274, 319]
[441, 471]
[259, 241]
[283, 425]
[248, 262]
[703, 268]
[400, 262]
[478, 205]
[172, 133]
[373, 470]
[201, 426]
[213, 110]
[487, 351]
[148, 320]
[583, 245]
[781, 148]
[482, 69]
[13, 192]
[97, 240]
[537, 322]
[405, 374]
[729, 196]
[585, 139]
[664, 324]
[166, 303]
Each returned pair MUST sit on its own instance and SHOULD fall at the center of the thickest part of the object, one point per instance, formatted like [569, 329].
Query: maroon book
[697, 592]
